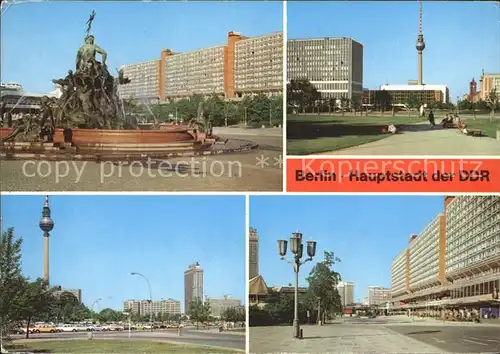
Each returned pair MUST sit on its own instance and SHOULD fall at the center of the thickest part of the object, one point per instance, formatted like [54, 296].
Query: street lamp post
[150, 298]
[93, 304]
[297, 248]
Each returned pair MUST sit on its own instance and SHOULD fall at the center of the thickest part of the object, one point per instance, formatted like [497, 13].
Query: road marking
[473, 341]
[438, 340]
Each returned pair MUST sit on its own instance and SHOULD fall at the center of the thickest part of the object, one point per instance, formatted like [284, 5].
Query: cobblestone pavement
[257, 170]
[421, 140]
[336, 338]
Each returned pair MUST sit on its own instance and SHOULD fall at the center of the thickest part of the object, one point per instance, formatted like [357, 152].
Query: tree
[323, 280]
[11, 280]
[301, 94]
[66, 307]
[233, 314]
[35, 301]
[199, 312]
[110, 315]
[492, 101]
[383, 99]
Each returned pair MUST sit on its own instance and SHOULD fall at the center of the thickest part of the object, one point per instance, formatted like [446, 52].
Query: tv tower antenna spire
[420, 47]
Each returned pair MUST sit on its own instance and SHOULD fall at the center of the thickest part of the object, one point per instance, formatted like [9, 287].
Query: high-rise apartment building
[200, 72]
[145, 307]
[455, 259]
[378, 295]
[258, 63]
[426, 256]
[193, 284]
[488, 83]
[253, 254]
[399, 271]
[346, 292]
[144, 81]
[219, 305]
[334, 66]
[245, 65]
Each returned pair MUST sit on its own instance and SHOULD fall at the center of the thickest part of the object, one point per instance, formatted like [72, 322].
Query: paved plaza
[380, 335]
[225, 172]
[420, 139]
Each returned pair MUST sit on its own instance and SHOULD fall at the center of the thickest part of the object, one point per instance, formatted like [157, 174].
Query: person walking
[431, 118]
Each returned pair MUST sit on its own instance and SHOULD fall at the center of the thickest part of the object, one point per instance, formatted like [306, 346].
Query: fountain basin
[118, 137]
[91, 144]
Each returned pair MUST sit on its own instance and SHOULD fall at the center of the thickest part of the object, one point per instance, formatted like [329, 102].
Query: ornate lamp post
[297, 248]
[46, 225]
[150, 298]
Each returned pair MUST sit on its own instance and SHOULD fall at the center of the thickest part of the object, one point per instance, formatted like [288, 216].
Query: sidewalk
[335, 338]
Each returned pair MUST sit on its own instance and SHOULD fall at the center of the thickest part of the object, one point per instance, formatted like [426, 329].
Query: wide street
[421, 139]
[257, 170]
[395, 334]
[230, 340]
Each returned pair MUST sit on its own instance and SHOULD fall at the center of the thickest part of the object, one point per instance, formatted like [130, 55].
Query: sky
[462, 38]
[365, 232]
[97, 241]
[40, 39]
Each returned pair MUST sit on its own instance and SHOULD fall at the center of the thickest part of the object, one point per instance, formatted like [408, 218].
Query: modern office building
[242, 66]
[193, 284]
[15, 99]
[346, 292]
[402, 94]
[455, 260]
[378, 295]
[219, 305]
[334, 66]
[145, 307]
[253, 254]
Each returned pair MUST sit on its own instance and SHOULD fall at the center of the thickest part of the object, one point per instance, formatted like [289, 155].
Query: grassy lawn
[313, 134]
[111, 346]
[484, 124]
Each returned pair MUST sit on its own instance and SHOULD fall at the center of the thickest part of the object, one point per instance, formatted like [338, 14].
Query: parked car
[96, 327]
[82, 327]
[66, 328]
[45, 329]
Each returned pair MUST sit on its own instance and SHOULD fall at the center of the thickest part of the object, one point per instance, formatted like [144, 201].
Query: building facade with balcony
[378, 296]
[458, 261]
[145, 307]
[334, 66]
[243, 65]
[258, 65]
[144, 81]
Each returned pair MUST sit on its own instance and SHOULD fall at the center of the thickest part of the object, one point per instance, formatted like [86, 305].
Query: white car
[112, 327]
[82, 327]
[97, 328]
[66, 328]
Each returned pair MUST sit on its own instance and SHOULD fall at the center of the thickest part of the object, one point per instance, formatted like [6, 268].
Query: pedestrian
[431, 118]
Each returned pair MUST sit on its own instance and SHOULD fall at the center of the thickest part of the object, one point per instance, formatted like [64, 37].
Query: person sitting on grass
[447, 121]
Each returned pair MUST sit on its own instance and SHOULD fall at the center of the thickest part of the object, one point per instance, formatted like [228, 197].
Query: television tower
[46, 224]
[420, 48]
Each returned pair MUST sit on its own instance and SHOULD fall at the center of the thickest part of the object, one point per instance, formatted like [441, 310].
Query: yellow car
[139, 326]
[44, 329]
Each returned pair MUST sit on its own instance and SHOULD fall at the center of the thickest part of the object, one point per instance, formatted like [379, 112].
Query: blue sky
[40, 40]
[98, 240]
[365, 232]
[462, 38]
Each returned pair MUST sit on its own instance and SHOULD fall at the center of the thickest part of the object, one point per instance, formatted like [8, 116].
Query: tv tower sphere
[46, 223]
